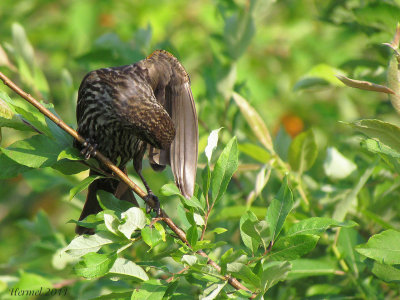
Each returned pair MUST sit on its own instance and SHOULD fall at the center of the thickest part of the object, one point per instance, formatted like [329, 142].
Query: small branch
[120, 174]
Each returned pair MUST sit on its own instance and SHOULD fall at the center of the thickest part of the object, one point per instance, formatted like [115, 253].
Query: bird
[127, 110]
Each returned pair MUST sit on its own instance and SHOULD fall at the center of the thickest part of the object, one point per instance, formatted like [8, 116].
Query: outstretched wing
[171, 87]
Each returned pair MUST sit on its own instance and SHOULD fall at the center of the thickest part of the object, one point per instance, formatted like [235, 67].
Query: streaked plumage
[123, 110]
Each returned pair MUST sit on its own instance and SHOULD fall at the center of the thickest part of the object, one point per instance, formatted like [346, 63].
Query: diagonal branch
[121, 175]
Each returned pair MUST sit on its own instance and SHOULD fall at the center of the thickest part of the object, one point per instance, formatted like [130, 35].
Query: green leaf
[160, 230]
[126, 268]
[134, 219]
[310, 82]
[279, 208]
[10, 168]
[316, 225]
[189, 259]
[256, 152]
[243, 272]
[22, 45]
[273, 272]
[383, 247]
[111, 222]
[94, 265]
[212, 143]
[84, 244]
[220, 230]
[31, 281]
[40, 225]
[345, 204]
[212, 291]
[293, 247]
[170, 189]
[226, 165]
[151, 236]
[192, 235]
[385, 272]
[68, 167]
[393, 79]
[384, 132]
[377, 147]
[346, 243]
[236, 212]
[28, 113]
[82, 186]
[303, 151]
[250, 236]
[302, 268]
[206, 179]
[70, 153]
[110, 202]
[256, 123]
[40, 81]
[62, 137]
[16, 123]
[238, 31]
[336, 166]
[37, 151]
[152, 289]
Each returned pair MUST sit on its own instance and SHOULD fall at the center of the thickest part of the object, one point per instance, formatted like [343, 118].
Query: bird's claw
[150, 197]
[89, 149]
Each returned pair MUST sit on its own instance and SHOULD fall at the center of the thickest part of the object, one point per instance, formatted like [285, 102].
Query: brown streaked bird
[124, 110]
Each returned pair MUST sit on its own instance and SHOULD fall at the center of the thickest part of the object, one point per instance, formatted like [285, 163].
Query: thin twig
[120, 174]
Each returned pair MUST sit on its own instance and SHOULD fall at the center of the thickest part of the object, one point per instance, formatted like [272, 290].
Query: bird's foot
[152, 203]
[89, 149]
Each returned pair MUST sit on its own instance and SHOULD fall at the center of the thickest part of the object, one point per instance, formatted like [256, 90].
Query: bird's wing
[172, 90]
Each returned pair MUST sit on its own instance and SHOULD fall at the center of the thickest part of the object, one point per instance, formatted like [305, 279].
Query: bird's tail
[92, 206]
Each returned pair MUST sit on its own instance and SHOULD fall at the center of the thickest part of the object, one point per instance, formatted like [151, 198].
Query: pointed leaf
[134, 219]
[279, 208]
[384, 132]
[293, 247]
[82, 186]
[152, 289]
[226, 165]
[273, 272]
[37, 151]
[94, 265]
[316, 225]
[83, 244]
[383, 247]
[257, 125]
[127, 268]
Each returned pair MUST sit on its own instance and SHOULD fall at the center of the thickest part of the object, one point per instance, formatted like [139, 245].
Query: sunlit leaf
[383, 247]
[94, 265]
[225, 166]
[279, 208]
[257, 125]
[127, 268]
[293, 247]
[336, 166]
[82, 186]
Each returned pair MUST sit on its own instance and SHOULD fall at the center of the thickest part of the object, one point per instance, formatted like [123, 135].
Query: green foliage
[298, 174]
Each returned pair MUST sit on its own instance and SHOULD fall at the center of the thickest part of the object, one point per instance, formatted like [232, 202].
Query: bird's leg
[89, 149]
[150, 197]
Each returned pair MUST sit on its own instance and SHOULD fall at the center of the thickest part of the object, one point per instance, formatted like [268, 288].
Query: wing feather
[172, 90]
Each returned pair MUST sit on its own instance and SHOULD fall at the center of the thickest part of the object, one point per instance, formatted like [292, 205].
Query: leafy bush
[295, 206]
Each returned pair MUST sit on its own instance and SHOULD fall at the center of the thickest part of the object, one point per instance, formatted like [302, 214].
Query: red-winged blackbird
[122, 110]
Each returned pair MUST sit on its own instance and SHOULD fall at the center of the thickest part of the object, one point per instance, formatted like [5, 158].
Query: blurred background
[281, 56]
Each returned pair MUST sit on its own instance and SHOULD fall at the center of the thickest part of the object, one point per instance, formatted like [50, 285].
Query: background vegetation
[272, 59]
